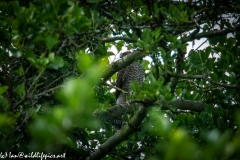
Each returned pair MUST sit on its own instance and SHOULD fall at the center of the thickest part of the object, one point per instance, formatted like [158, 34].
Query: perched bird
[125, 76]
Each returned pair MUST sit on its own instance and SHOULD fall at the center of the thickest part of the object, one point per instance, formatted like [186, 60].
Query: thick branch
[210, 34]
[205, 78]
[120, 135]
[196, 106]
[114, 111]
[126, 108]
[135, 121]
[116, 66]
[111, 39]
[180, 57]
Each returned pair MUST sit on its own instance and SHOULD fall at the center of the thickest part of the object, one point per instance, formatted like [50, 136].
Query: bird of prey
[125, 76]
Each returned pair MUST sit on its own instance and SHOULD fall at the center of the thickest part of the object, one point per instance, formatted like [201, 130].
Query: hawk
[125, 76]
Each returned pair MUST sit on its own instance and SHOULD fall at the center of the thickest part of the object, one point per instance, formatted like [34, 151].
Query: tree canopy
[58, 66]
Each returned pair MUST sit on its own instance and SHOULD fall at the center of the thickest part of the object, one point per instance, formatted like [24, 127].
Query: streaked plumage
[125, 76]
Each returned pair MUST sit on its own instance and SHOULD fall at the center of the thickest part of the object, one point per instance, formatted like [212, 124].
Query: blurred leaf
[205, 54]
[210, 63]
[21, 90]
[19, 71]
[3, 89]
[164, 11]
[56, 63]
[214, 76]
[157, 125]
[84, 61]
[158, 35]
[51, 41]
[6, 120]
[147, 36]
[217, 39]
[119, 45]
[135, 86]
[16, 53]
[51, 56]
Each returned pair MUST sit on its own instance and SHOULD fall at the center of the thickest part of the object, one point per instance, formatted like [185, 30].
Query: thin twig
[116, 88]
[63, 45]
[111, 39]
[205, 77]
[49, 90]
[65, 75]
[201, 44]
[24, 96]
[35, 80]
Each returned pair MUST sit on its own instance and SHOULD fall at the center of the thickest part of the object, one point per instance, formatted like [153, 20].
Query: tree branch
[121, 90]
[46, 91]
[111, 39]
[179, 61]
[196, 106]
[59, 78]
[27, 92]
[205, 78]
[35, 81]
[126, 108]
[114, 111]
[135, 121]
[64, 43]
[210, 34]
[120, 135]
[116, 66]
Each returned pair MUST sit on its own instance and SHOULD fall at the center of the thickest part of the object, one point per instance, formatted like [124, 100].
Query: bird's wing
[119, 81]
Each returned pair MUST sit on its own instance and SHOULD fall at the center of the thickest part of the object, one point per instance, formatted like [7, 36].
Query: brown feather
[119, 81]
[125, 76]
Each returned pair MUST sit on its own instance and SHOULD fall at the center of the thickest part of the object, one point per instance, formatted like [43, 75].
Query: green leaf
[217, 39]
[178, 13]
[100, 51]
[157, 125]
[51, 56]
[119, 18]
[231, 42]
[56, 63]
[194, 57]
[16, 53]
[178, 91]
[214, 76]
[205, 54]
[42, 62]
[109, 53]
[158, 35]
[51, 41]
[3, 89]
[147, 35]
[19, 71]
[174, 11]
[84, 61]
[210, 63]
[164, 11]
[175, 124]
[6, 119]
[135, 86]
[95, 18]
[20, 90]
[119, 45]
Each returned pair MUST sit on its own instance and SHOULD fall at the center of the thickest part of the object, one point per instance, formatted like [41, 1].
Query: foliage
[54, 55]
